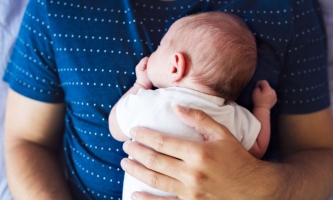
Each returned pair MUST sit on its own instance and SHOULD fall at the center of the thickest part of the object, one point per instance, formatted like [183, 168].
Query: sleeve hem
[312, 107]
[40, 95]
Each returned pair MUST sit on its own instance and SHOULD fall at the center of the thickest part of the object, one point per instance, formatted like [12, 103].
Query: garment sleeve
[303, 83]
[32, 70]
[135, 110]
[248, 126]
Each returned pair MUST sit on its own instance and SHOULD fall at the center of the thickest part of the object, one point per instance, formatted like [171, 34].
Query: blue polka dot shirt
[84, 53]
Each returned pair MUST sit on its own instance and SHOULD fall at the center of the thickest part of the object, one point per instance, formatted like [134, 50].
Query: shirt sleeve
[31, 70]
[135, 110]
[248, 126]
[303, 84]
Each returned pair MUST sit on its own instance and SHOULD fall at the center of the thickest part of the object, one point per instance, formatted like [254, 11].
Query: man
[74, 60]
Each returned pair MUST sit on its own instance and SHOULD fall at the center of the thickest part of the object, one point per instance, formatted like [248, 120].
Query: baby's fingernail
[133, 132]
[183, 109]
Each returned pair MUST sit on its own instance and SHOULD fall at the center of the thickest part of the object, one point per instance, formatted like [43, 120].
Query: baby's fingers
[262, 84]
[142, 65]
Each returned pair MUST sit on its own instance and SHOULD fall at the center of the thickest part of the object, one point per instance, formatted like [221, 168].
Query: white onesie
[154, 109]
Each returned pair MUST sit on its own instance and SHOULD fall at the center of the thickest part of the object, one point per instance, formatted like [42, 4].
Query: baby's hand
[141, 74]
[263, 95]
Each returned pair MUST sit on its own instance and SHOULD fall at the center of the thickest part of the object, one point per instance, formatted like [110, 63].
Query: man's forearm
[35, 173]
[306, 149]
[305, 175]
[308, 175]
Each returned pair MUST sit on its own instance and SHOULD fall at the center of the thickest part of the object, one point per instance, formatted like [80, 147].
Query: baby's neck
[195, 86]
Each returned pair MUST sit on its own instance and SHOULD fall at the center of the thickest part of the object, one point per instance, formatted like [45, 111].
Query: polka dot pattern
[84, 53]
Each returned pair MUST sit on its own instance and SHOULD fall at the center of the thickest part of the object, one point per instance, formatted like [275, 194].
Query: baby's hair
[220, 49]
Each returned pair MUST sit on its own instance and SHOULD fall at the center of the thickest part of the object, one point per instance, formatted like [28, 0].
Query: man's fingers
[145, 196]
[151, 178]
[202, 122]
[175, 147]
[153, 160]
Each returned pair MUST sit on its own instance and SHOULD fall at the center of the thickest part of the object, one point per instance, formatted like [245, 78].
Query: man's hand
[219, 168]
[263, 95]
[141, 74]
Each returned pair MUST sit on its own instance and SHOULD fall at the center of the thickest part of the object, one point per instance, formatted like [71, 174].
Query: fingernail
[183, 109]
[133, 132]
[125, 145]
[124, 163]
[135, 196]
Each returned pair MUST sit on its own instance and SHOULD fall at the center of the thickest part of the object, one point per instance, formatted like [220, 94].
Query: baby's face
[160, 61]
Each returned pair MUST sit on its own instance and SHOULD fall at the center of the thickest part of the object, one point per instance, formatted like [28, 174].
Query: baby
[204, 61]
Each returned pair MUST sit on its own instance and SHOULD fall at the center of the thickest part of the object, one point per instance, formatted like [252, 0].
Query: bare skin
[264, 98]
[33, 133]
[305, 172]
[196, 170]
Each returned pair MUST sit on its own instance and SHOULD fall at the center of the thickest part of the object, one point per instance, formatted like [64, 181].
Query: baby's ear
[178, 67]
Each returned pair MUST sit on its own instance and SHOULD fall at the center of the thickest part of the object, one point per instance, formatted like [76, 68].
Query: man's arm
[196, 170]
[33, 133]
[307, 149]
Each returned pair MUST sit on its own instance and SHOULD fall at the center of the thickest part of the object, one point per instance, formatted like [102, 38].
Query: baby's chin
[158, 84]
